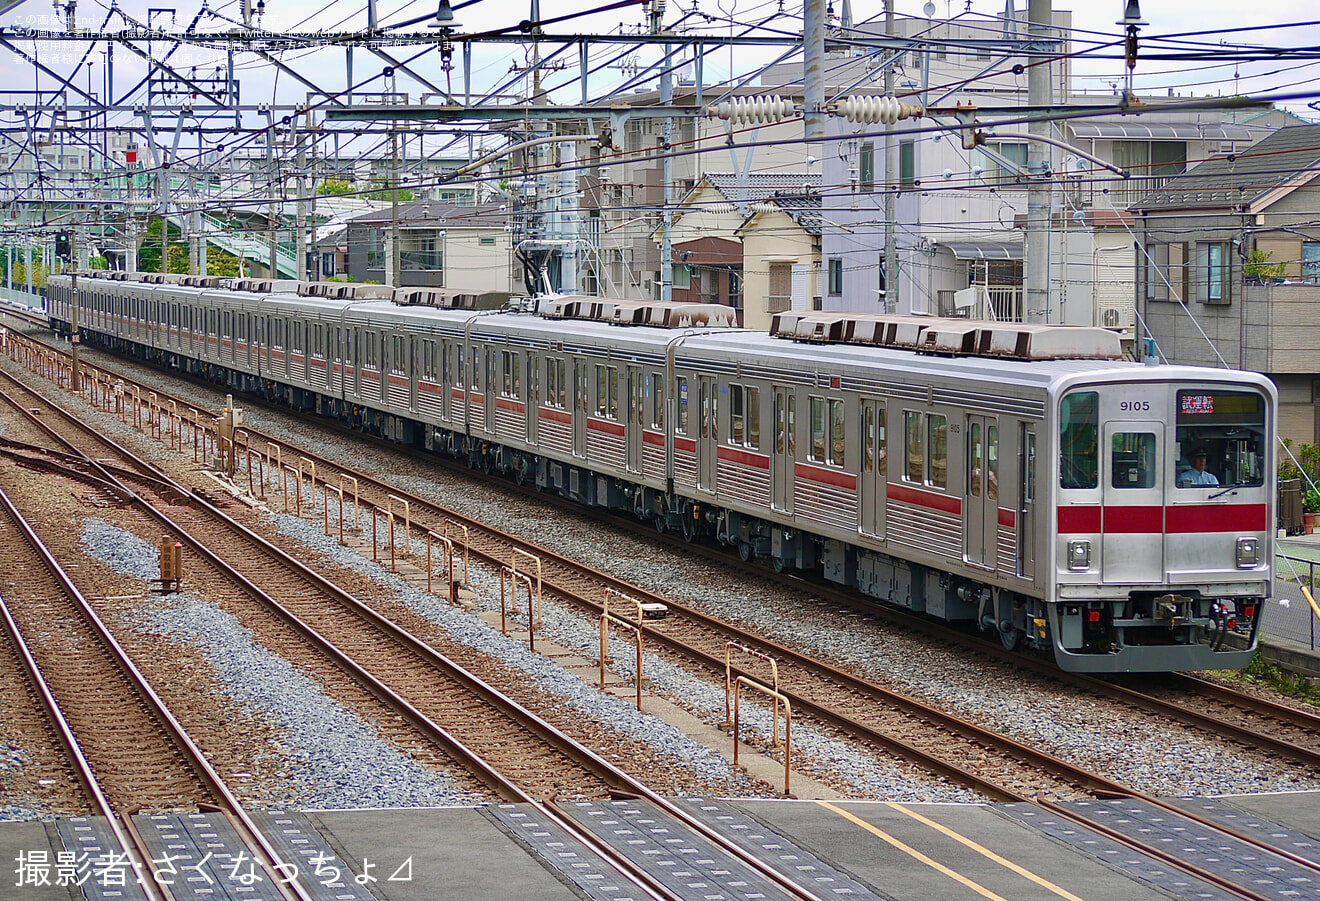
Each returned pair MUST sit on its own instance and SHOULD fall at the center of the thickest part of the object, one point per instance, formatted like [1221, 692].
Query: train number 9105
[1134, 406]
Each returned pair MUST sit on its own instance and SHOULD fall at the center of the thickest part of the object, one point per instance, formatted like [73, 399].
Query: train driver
[1197, 476]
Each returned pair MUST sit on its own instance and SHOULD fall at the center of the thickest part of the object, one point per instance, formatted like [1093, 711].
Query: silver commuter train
[1020, 477]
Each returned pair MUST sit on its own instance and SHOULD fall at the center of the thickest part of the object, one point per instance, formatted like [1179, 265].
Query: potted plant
[1310, 508]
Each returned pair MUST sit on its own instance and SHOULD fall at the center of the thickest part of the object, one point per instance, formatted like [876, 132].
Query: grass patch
[1270, 675]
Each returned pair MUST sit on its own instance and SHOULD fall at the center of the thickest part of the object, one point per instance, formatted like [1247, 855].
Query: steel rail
[1106, 788]
[230, 806]
[128, 840]
[1161, 855]
[1095, 784]
[625, 782]
[193, 755]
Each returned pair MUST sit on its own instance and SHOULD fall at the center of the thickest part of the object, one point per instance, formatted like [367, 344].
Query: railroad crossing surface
[836, 849]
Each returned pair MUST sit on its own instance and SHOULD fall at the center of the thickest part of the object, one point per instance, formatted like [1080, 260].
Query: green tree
[98, 262]
[385, 194]
[334, 187]
[20, 274]
[1258, 268]
[222, 264]
[149, 253]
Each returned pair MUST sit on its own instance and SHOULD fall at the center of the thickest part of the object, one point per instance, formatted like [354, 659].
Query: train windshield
[1079, 450]
[1219, 439]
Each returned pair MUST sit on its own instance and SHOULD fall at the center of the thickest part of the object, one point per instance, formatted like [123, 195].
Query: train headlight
[1079, 554]
[1248, 552]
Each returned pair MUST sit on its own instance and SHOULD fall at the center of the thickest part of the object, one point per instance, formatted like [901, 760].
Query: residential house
[781, 257]
[1206, 285]
[960, 210]
[440, 245]
[709, 230]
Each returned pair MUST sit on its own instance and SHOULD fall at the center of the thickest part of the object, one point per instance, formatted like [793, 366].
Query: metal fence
[1291, 617]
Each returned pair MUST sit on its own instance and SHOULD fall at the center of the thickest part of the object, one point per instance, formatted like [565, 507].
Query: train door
[781, 455]
[1131, 546]
[1026, 513]
[492, 384]
[636, 406]
[981, 494]
[580, 402]
[533, 396]
[709, 434]
[874, 465]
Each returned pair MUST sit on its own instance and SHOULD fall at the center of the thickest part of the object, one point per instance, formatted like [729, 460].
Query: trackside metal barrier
[730, 647]
[328, 488]
[449, 560]
[606, 617]
[520, 554]
[311, 464]
[788, 721]
[276, 452]
[464, 529]
[297, 487]
[509, 576]
[390, 501]
[342, 479]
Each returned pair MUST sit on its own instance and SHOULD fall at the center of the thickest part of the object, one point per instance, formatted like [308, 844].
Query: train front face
[1164, 521]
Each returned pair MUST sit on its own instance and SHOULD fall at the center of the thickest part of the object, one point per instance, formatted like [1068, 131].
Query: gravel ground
[1150, 754]
[864, 775]
[11, 761]
[338, 760]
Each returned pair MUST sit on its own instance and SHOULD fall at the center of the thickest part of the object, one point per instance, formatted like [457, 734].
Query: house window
[907, 164]
[836, 275]
[1213, 265]
[995, 171]
[1311, 262]
[866, 165]
[682, 276]
[780, 297]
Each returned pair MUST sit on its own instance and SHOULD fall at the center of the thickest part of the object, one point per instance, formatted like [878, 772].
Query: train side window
[754, 418]
[476, 368]
[975, 463]
[736, 421]
[868, 439]
[992, 462]
[914, 447]
[657, 401]
[682, 399]
[1079, 450]
[837, 433]
[938, 445]
[1133, 460]
[792, 424]
[817, 430]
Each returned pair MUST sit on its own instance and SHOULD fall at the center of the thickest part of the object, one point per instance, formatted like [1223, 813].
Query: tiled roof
[430, 212]
[763, 185]
[1239, 179]
[805, 209]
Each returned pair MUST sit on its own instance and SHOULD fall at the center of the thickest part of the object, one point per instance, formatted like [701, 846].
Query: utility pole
[813, 81]
[891, 182]
[666, 99]
[1040, 90]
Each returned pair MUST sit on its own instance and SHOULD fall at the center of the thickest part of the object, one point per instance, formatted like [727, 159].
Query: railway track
[1024, 770]
[123, 746]
[943, 744]
[1186, 692]
[532, 771]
